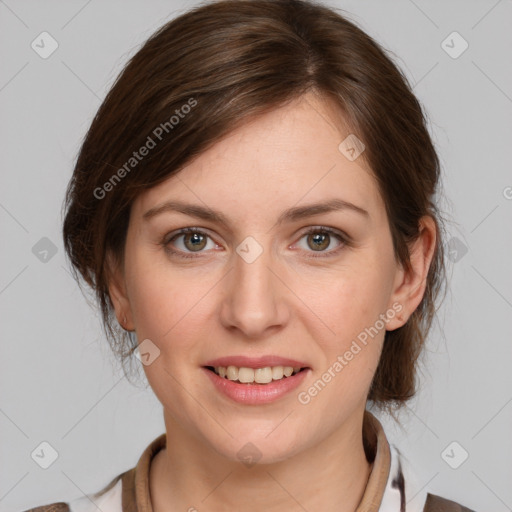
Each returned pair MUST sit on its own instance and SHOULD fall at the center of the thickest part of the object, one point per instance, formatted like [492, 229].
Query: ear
[118, 294]
[409, 286]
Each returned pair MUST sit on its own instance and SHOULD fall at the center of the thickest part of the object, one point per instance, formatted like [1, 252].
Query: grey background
[59, 382]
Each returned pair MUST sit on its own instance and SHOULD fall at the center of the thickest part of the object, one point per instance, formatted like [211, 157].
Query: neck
[330, 476]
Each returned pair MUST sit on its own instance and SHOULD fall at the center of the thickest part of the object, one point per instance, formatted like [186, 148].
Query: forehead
[282, 158]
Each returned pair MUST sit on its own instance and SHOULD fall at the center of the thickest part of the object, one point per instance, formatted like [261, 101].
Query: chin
[251, 449]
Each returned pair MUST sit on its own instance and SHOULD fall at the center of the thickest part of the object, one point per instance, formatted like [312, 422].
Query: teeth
[277, 372]
[263, 375]
[232, 373]
[245, 375]
[258, 375]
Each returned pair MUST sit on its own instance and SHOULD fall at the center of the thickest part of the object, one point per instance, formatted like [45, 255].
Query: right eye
[188, 241]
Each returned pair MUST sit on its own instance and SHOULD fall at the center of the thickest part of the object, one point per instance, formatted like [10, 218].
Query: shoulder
[107, 500]
[53, 507]
[437, 504]
[403, 476]
[120, 495]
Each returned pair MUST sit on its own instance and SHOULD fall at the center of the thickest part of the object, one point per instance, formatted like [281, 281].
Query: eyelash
[343, 238]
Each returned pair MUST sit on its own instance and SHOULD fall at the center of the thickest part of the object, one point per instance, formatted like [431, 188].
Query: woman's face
[253, 289]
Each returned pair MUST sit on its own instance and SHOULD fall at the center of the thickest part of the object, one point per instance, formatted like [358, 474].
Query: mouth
[261, 376]
[255, 380]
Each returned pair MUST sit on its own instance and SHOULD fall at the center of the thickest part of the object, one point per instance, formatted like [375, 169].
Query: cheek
[170, 309]
[352, 303]
[163, 300]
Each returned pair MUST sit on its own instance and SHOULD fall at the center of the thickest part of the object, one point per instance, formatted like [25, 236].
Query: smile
[255, 386]
[247, 375]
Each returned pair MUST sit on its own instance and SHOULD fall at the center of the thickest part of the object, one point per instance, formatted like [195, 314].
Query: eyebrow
[290, 215]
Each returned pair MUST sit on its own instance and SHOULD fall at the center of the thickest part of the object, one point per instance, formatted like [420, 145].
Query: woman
[253, 205]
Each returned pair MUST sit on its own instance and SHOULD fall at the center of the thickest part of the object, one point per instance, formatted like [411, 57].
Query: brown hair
[206, 72]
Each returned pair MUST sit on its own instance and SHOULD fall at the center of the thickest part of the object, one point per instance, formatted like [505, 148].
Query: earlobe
[118, 294]
[410, 284]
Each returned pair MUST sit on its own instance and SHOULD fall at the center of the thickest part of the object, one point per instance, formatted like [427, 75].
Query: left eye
[319, 240]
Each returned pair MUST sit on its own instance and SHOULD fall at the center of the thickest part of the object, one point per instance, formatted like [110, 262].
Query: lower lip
[255, 394]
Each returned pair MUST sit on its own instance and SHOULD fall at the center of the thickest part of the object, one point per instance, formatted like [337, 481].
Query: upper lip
[255, 362]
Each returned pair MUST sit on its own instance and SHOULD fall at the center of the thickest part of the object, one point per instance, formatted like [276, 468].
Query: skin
[285, 303]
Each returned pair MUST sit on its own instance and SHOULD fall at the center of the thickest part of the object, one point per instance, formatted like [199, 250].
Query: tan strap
[52, 507]
[437, 504]
[136, 495]
[128, 497]
[378, 452]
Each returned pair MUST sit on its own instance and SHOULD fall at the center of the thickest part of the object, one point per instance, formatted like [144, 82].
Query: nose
[254, 301]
